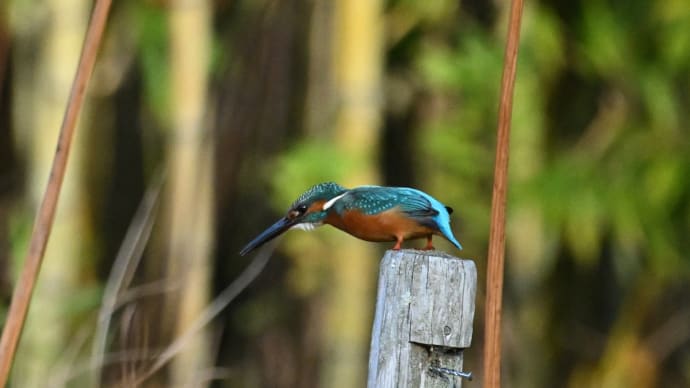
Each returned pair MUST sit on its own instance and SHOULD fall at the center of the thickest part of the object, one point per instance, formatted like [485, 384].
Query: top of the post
[442, 290]
[422, 252]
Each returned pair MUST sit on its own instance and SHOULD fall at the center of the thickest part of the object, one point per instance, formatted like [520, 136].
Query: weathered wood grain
[424, 315]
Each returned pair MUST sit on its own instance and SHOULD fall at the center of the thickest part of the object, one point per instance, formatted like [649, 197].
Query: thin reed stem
[496, 254]
[21, 298]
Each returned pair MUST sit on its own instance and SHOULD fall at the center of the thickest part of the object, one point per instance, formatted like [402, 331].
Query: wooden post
[423, 320]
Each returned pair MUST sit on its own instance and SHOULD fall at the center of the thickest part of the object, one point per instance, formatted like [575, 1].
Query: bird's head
[307, 212]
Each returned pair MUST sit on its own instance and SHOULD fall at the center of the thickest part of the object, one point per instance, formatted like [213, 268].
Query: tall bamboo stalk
[358, 66]
[190, 189]
[496, 255]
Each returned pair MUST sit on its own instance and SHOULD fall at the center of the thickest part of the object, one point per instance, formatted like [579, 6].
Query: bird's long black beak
[269, 234]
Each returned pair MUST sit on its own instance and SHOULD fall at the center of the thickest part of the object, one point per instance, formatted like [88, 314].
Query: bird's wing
[414, 204]
[375, 199]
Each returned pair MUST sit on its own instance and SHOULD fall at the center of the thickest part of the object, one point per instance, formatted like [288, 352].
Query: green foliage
[600, 152]
[151, 24]
[304, 165]
[629, 158]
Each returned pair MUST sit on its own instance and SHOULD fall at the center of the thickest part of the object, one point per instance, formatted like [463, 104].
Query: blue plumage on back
[415, 204]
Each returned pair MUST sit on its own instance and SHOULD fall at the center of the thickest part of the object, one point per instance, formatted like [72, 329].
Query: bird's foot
[429, 246]
[397, 245]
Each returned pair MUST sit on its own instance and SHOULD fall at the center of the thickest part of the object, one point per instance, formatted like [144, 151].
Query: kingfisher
[371, 213]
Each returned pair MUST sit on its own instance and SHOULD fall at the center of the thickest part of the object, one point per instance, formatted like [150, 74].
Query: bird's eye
[297, 211]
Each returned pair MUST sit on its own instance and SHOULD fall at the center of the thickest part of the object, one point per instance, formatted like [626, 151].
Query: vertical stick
[494, 283]
[46, 213]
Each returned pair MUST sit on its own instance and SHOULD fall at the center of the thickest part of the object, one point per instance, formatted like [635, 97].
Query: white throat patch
[332, 201]
[308, 226]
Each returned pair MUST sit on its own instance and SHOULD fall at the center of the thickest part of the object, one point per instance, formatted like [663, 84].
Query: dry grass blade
[21, 297]
[79, 369]
[494, 282]
[156, 287]
[69, 357]
[213, 309]
[126, 262]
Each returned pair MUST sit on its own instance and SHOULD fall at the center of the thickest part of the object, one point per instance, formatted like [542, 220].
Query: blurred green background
[239, 106]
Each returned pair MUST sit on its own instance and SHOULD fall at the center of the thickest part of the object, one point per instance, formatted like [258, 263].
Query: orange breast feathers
[390, 225]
